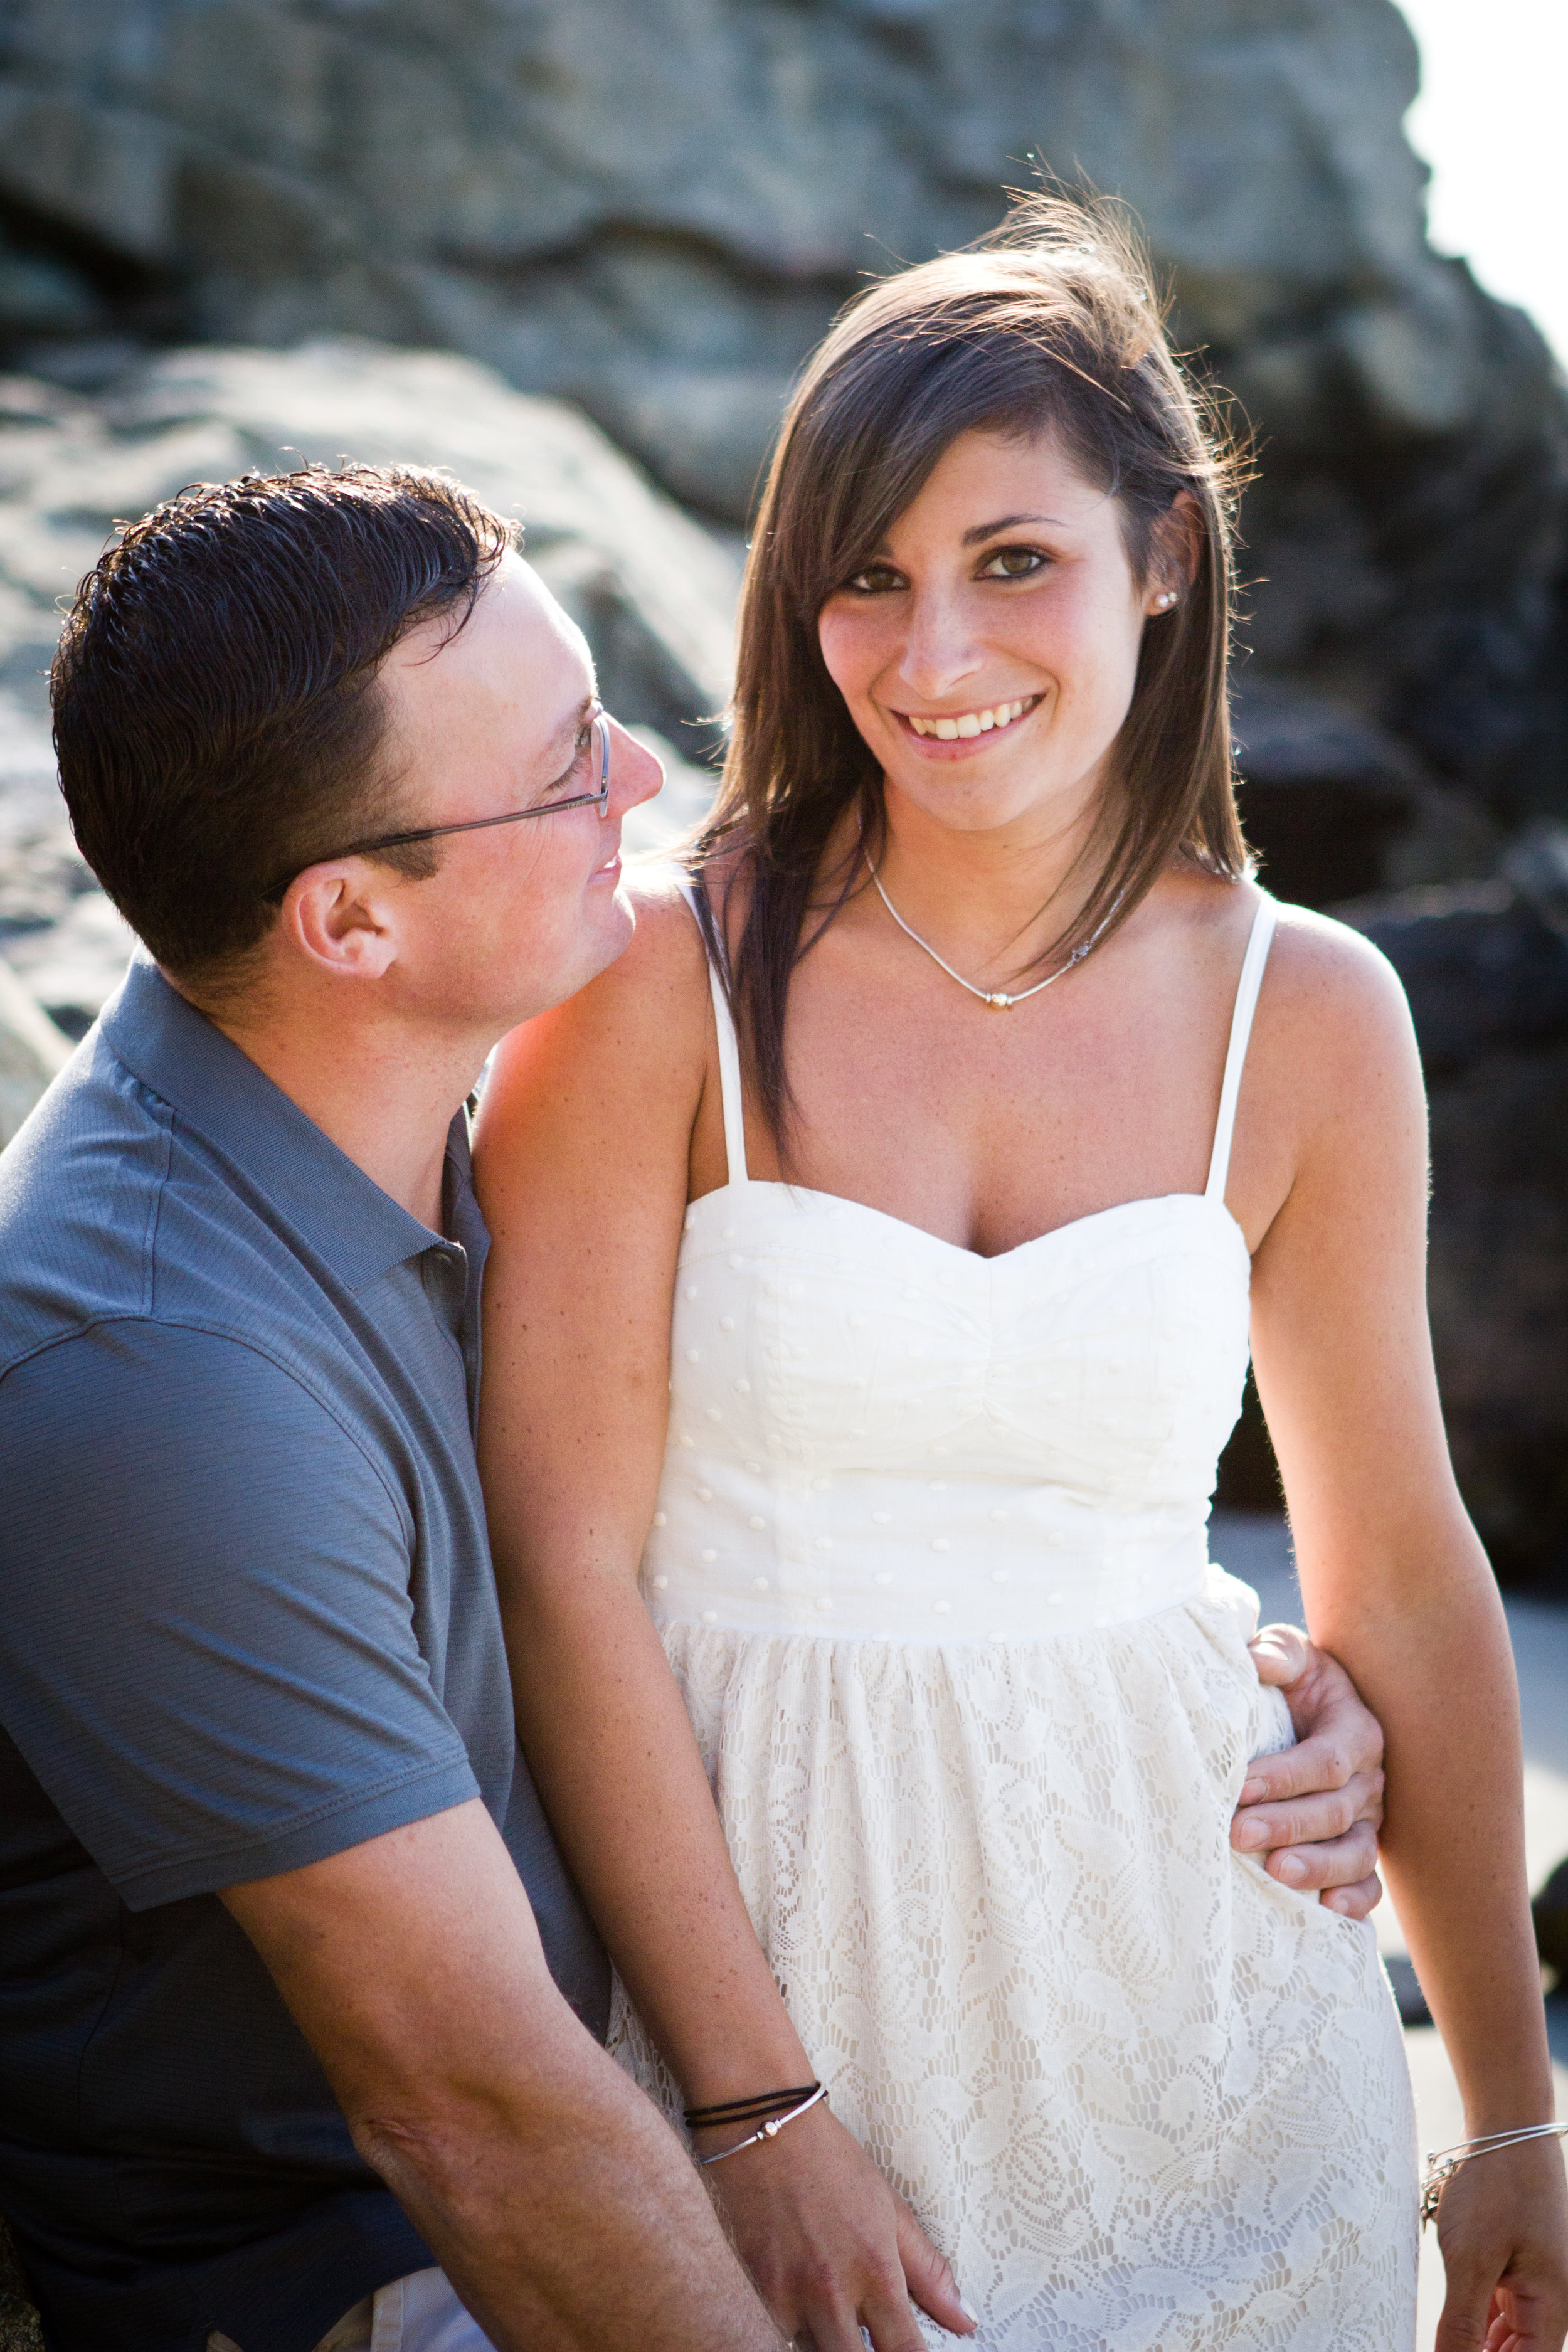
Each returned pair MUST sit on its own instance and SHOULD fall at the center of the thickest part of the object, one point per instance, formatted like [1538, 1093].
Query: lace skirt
[1144, 2098]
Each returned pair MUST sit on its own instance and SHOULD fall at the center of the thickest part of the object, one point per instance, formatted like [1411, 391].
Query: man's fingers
[1327, 1762]
[1357, 1902]
[1307, 1821]
[1328, 1861]
[1280, 1653]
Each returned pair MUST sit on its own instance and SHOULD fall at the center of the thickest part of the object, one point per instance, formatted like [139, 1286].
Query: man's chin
[601, 940]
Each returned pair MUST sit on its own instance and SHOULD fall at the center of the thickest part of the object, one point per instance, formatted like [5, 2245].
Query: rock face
[1486, 968]
[654, 209]
[20, 2328]
[653, 590]
[32, 1051]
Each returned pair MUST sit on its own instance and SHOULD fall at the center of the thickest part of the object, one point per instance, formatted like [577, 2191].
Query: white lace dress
[930, 1563]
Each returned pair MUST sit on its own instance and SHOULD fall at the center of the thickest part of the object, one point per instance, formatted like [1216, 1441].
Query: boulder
[1486, 968]
[1338, 807]
[21, 2329]
[653, 590]
[32, 1051]
[654, 211]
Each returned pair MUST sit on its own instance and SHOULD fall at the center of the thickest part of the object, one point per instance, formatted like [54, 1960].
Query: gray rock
[1486, 968]
[653, 590]
[654, 210]
[20, 2327]
[32, 1052]
[38, 296]
[1339, 807]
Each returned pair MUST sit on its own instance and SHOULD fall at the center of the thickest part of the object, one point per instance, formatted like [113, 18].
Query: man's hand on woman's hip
[1315, 1809]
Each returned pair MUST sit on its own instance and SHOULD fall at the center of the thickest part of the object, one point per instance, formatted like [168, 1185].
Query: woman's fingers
[1502, 2225]
[828, 2245]
[928, 2274]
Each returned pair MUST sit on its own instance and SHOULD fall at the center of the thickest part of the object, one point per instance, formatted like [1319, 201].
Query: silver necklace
[996, 998]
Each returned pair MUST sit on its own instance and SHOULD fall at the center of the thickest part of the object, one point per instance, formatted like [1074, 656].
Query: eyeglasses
[599, 742]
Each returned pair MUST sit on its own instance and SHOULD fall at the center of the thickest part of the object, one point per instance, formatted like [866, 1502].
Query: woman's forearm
[617, 1766]
[1429, 1650]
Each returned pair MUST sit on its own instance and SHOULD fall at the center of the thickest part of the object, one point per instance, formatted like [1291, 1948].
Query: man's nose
[636, 772]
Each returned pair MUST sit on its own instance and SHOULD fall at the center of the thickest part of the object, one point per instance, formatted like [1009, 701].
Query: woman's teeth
[972, 722]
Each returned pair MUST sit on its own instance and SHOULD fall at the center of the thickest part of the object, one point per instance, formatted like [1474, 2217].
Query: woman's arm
[583, 1158]
[1397, 1586]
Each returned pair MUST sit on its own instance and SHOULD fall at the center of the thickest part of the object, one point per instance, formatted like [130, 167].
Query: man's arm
[563, 2207]
[1316, 1808]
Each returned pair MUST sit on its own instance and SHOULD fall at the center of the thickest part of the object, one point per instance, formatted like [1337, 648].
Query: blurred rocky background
[575, 248]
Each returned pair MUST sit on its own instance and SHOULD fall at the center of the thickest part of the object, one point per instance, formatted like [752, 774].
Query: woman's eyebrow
[1008, 522]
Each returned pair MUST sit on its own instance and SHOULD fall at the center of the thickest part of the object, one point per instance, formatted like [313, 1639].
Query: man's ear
[340, 917]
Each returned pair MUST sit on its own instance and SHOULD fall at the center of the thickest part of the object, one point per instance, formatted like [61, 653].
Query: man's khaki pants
[417, 2314]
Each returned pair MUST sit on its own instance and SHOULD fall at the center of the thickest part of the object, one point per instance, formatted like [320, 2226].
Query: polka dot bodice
[873, 1433]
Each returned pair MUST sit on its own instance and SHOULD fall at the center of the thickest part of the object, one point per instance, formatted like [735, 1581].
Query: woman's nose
[940, 649]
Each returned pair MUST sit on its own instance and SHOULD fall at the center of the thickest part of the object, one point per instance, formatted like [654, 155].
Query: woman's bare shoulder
[657, 988]
[630, 1045]
[1333, 1064]
[1326, 977]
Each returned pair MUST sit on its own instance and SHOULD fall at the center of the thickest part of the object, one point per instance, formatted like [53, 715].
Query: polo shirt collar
[222, 1096]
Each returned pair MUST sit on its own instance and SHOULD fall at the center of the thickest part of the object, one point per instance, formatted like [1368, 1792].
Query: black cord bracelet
[745, 2111]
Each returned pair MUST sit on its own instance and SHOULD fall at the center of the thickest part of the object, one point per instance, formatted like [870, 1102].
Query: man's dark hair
[217, 717]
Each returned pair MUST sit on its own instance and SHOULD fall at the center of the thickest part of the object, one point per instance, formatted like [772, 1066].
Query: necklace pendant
[1000, 1004]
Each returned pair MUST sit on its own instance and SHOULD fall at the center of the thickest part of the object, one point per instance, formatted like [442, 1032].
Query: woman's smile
[957, 734]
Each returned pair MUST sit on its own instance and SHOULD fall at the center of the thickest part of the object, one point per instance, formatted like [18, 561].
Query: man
[299, 2005]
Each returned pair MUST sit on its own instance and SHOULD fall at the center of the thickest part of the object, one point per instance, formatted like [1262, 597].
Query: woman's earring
[1164, 600]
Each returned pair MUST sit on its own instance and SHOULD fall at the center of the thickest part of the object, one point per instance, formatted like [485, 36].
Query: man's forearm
[554, 2195]
[576, 2223]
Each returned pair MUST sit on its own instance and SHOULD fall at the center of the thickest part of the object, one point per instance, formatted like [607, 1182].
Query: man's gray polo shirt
[247, 1619]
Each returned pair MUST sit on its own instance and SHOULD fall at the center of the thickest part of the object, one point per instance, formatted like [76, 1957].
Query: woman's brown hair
[1051, 323]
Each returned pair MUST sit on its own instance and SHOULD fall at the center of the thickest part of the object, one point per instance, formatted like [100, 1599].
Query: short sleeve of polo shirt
[206, 1638]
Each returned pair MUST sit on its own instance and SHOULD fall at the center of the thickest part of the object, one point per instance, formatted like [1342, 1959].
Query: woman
[961, 1120]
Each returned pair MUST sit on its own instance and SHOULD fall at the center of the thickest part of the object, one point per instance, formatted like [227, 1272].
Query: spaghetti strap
[729, 1091]
[1246, 990]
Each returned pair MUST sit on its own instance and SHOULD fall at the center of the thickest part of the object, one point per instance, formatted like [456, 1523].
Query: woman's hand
[831, 2248]
[1502, 2225]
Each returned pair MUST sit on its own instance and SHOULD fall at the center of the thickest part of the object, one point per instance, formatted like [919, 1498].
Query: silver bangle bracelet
[1442, 2163]
[769, 2130]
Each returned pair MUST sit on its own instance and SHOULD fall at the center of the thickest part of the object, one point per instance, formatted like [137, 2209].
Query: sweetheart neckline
[1035, 1241]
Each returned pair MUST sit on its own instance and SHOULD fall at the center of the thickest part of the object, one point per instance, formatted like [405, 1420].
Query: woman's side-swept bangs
[1052, 324]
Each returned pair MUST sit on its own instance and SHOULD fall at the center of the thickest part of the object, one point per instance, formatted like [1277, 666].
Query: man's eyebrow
[1008, 522]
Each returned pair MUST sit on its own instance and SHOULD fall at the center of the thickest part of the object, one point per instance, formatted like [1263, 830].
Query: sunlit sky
[1492, 121]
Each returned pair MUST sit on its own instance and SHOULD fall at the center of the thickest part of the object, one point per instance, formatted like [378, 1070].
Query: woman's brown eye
[1015, 562]
[875, 581]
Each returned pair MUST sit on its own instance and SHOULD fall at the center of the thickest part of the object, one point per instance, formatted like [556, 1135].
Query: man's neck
[384, 1096]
